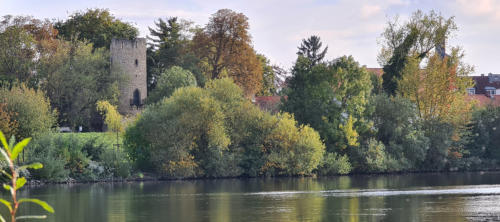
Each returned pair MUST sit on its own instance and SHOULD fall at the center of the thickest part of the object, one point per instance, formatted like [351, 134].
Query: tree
[112, 119]
[170, 47]
[24, 42]
[98, 26]
[17, 53]
[224, 48]
[439, 89]
[172, 79]
[331, 98]
[400, 132]
[76, 77]
[31, 109]
[417, 37]
[311, 49]
[269, 79]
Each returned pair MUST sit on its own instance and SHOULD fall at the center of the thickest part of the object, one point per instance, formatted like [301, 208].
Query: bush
[216, 132]
[31, 110]
[333, 164]
[80, 156]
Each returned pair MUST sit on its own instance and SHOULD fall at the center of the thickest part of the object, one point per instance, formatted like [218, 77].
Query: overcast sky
[348, 27]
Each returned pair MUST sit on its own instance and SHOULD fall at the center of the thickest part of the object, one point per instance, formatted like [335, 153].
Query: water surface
[412, 197]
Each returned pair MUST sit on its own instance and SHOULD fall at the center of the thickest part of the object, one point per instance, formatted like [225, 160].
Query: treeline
[335, 117]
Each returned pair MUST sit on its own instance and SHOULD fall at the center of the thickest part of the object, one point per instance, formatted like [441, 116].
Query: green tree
[332, 98]
[17, 52]
[31, 110]
[173, 78]
[400, 132]
[76, 77]
[98, 26]
[269, 77]
[311, 49]
[170, 46]
[416, 37]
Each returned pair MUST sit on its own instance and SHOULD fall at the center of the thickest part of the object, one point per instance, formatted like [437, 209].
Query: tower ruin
[128, 57]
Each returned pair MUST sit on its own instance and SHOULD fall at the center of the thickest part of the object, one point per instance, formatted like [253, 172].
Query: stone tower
[128, 57]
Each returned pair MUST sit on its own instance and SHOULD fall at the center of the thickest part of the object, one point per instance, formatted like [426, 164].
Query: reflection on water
[415, 197]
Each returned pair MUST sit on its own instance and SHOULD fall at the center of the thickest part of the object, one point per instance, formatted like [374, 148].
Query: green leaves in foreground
[17, 182]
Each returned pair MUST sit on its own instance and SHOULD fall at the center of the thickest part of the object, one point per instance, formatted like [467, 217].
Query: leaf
[32, 217]
[4, 141]
[7, 187]
[5, 155]
[18, 148]
[41, 203]
[7, 204]
[20, 182]
[34, 166]
[6, 174]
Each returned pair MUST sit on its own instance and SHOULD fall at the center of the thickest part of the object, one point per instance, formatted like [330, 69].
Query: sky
[347, 27]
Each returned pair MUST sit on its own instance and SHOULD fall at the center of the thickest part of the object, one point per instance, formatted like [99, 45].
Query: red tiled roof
[486, 100]
[483, 81]
[269, 103]
[377, 71]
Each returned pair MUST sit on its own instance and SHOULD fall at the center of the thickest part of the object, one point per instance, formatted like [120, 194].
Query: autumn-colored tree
[8, 124]
[224, 47]
[439, 88]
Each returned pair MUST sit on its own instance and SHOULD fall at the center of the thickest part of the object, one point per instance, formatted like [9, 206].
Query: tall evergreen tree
[311, 49]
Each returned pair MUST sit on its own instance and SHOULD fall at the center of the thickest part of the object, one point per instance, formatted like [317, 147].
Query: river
[406, 197]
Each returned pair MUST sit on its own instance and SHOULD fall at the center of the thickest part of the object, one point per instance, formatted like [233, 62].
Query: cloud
[480, 8]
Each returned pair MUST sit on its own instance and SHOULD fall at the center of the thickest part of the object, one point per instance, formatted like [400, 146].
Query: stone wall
[128, 58]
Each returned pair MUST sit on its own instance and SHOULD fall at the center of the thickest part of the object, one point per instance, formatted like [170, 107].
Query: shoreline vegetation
[199, 121]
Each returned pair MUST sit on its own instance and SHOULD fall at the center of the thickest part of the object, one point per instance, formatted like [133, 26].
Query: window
[471, 91]
[490, 90]
[136, 62]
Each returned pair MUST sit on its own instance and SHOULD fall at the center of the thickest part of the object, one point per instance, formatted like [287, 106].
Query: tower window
[136, 62]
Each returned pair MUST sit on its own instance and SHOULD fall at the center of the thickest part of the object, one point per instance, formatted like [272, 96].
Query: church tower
[128, 58]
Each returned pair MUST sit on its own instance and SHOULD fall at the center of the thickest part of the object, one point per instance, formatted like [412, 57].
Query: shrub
[333, 164]
[216, 132]
[79, 156]
[31, 110]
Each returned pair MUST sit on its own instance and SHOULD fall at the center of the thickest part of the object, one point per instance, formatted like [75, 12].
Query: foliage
[10, 152]
[215, 132]
[224, 48]
[400, 132]
[17, 54]
[485, 127]
[112, 118]
[417, 37]
[334, 164]
[311, 49]
[439, 89]
[8, 124]
[173, 78]
[98, 26]
[81, 156]
[269, 78]
[30, 109]
[171, 47]
[76, 77]
[331, 98]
